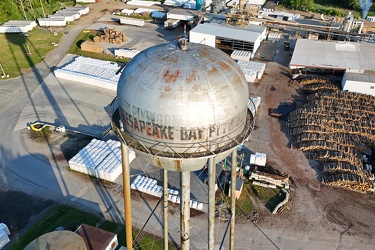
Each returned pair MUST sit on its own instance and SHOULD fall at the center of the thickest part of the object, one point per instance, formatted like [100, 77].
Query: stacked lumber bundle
[349, 181]
[336, 128]
[111, 36]
[316, 80]
[321, 87]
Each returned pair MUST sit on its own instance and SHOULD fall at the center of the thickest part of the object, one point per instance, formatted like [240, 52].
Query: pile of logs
[349, 181]
[321, 87]
[110, 36]
[336, 128]
[319, 84]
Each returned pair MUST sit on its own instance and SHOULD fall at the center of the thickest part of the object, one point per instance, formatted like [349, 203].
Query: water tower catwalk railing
[193, 151]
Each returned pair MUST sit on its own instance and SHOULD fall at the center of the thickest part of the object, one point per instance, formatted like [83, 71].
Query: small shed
[258, 159]
[96, 238]
[239, 186]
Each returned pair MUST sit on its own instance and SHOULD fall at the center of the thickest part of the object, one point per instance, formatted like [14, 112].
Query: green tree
[354, 5]
[299, 4]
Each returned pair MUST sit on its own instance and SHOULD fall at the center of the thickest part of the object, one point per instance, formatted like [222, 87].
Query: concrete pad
[78, 106]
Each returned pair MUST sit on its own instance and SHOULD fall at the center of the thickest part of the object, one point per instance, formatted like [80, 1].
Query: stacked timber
[111, 36]
[349, 181]
[337, 129]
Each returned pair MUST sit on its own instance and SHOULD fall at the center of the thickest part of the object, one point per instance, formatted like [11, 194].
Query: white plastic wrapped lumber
[11, 29]
[280, 13]
[32, 24]
[5, 228]
[127, 11]
[128, 53]
[51, 22]
[200, 206]
[173, 198]
[132, 21]
[177, 3]
[4, 239]
[253, 104]
[69, 15]
[100, 159]
[80, 9]
[241, 55]
[144, 10]
[141, 3]
[91, 71]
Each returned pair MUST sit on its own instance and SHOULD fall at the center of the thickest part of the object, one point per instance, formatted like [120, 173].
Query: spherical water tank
[183, 102]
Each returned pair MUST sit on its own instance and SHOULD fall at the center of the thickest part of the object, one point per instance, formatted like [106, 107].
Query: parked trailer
[171, 23]
[132, 21]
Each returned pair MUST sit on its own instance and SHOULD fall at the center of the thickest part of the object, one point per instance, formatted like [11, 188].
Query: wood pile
[319, 84]
[110, 36]
[348, 181]
[337, 129]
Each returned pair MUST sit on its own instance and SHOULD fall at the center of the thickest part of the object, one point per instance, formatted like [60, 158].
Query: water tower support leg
[165, 209]
[211, 204]
[126, 187]
[185, 210]
[233, 199]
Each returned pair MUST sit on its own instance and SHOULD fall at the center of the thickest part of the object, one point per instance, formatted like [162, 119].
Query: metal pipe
[127, 203]
[185, 210]
[165, 208]
[233, 198]
[211, 203]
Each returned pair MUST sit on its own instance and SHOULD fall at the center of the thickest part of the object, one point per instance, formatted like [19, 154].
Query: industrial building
[356, 60]
[235, 38]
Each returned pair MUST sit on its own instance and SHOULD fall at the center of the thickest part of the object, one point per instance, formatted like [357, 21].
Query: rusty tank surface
[182, 103]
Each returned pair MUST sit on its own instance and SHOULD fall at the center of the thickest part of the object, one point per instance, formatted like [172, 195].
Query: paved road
[22, 168]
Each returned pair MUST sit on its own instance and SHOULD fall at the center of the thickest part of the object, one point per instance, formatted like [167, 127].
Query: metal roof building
[333, 55]
[359, 83]
[236, 38]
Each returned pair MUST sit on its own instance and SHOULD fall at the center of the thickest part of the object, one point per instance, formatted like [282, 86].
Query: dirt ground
[314, 207]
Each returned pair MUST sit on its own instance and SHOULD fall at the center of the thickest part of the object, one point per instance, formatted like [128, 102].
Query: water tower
[183, 106]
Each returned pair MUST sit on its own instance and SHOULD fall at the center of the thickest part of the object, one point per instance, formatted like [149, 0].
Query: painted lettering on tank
[157, 125]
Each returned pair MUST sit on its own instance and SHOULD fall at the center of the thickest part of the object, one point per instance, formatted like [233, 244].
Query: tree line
[355, 5]
[30, 9]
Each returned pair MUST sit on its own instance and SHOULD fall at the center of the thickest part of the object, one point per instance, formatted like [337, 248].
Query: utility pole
[127, 203]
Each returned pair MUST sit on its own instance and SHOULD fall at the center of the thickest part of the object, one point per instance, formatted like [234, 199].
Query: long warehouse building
[357, 60]
[235, 38]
